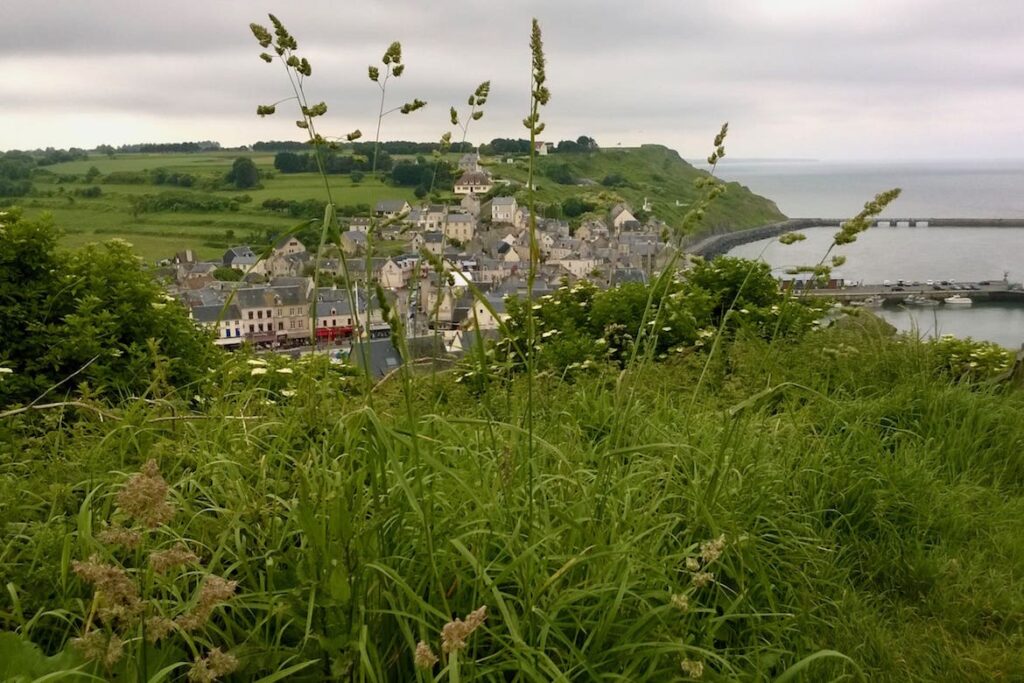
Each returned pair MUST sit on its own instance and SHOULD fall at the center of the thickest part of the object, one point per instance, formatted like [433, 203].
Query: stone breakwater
[720, 243]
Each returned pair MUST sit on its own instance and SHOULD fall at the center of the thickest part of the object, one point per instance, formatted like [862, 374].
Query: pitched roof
[212, 313]
[391, 205]
[379, 359]
[503, 201]
[265, 297]
[285, 240]
[474, 178]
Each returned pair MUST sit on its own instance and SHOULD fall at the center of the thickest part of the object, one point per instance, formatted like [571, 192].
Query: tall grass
[871, 509]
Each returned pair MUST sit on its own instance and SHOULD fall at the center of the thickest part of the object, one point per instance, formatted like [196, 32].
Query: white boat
[870, 302]
[957, 300]
[918, 300]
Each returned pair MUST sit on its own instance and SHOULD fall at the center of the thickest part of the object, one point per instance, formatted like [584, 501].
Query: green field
[160, 235]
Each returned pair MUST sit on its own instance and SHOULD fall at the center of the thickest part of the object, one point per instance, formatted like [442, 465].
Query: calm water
[930, 190]
[963, 254]
[934, 189]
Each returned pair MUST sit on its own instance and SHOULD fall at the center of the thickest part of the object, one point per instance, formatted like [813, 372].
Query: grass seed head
[116, 594]
[692, 668]
[455, 633]
[212, 667]
[144, 497]
[424, 658]
[178, 556]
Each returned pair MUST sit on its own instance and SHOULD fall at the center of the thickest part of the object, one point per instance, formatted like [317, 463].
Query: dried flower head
[701, 579]
[455, 633]
[712, 550]
[96, 646]
[424, 658]
[116, 594]
[158, 628]
[144, 497]
[177, 556]
[215, 590]
[213, 666]
[692, 668]
[118, 535]
[680, 601]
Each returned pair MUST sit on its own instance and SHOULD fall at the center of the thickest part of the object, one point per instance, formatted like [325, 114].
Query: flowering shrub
[579, 325]
[970, 359]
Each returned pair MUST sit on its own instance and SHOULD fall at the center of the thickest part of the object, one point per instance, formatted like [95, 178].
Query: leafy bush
[91, 317]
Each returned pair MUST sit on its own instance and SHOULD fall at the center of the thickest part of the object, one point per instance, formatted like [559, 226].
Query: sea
[932, 189]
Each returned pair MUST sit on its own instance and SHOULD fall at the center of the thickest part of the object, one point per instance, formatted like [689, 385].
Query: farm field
[159, 235]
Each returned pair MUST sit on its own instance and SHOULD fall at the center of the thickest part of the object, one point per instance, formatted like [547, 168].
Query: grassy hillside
[651, 172]
[860, 520]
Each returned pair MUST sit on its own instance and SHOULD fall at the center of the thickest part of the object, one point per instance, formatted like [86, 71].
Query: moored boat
[870, 302]
[918, 300]
[957, 300]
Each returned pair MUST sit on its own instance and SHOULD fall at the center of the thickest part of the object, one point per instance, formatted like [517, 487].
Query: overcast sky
[826, 79]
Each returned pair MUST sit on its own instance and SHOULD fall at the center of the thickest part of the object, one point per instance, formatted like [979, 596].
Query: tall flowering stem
[393, 68]
[539, 96]
[298, 69]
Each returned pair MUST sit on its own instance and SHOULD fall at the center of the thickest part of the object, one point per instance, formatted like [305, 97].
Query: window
[227, 333]
[238, 332]
[252, 328]
[334, 322]
[259, 314]
[250, 315]
[280, 325]
[261, 327]
[269, 313]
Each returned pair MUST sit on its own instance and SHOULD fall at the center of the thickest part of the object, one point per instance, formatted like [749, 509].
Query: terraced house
[273, 315]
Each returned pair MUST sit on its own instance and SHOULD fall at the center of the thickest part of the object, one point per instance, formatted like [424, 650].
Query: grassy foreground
[829, 509]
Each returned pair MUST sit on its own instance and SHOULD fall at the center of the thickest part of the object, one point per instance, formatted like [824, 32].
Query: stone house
[473, 182]
[460, 226]
[391, 208]
[503, 209]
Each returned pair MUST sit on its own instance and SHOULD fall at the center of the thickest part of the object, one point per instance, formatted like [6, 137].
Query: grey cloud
[654, 70]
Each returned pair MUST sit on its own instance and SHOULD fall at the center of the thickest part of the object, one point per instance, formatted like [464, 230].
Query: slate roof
[264, 297]
[391, 206]
[211, 314]
[381, 357]
[474, 178]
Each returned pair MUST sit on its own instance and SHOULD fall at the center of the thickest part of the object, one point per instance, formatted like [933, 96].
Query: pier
[996, 291]
[720, 242]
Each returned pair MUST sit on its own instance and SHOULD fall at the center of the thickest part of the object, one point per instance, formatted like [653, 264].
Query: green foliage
[90, 317]
[225, 274]
[580, 325]
[561, 174]
[969, 359]
[614, 180]
[573, 207]
[176, 200]
[243, 174]
[15, 173]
